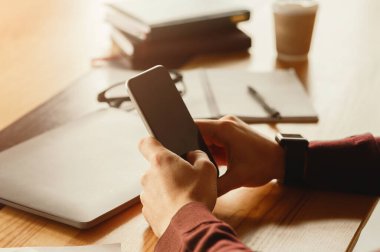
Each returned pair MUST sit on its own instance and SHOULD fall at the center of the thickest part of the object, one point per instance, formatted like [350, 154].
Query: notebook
[146, 19]
[213, 93]
[368, 239]
[79, 174]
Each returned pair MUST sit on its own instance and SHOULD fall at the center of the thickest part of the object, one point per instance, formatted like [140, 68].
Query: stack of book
[170, 32]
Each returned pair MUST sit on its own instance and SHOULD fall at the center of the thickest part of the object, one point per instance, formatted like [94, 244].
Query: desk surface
[45, 45]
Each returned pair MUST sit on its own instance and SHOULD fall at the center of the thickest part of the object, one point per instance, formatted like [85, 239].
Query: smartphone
[164, 113]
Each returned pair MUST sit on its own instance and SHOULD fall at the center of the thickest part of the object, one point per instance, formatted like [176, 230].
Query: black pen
[274, 113]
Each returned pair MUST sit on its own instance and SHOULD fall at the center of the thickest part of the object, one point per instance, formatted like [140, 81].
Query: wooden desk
[45, 45]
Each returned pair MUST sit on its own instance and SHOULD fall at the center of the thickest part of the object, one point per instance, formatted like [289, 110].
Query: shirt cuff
[186, 219]
[351, 164]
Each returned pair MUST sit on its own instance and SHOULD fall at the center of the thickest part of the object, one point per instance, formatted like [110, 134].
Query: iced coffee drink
[294, 22]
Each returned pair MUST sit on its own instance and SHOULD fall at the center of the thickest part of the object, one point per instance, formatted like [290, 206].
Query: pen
[274, 113]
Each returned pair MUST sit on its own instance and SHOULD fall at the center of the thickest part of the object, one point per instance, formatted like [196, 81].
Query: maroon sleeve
[194, 228]
[350, 165]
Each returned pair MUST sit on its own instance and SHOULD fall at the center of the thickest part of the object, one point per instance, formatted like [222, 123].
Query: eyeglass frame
[116, 102]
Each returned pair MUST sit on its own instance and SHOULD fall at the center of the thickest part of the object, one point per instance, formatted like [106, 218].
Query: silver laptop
[79, 174]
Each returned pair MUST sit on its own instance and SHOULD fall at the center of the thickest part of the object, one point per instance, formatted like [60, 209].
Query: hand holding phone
[164, 113]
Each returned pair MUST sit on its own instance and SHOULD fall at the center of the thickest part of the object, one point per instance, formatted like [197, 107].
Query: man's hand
[172, 182]
[251, 159]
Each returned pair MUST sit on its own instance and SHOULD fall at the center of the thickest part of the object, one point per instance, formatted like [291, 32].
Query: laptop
[81, 173]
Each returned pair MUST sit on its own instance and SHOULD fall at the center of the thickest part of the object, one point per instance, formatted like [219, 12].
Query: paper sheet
[369, 236]
[227, 89]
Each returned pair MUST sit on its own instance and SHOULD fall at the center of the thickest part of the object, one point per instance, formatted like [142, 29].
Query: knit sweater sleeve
[194, 228]
[349, 165]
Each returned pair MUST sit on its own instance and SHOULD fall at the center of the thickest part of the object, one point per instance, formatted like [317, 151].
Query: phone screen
[164, 113]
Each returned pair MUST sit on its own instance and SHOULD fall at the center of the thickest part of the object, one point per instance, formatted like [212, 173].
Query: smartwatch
[295, 148]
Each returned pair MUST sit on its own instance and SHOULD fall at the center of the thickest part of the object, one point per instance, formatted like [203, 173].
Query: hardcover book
[151, 20]
[143, 54]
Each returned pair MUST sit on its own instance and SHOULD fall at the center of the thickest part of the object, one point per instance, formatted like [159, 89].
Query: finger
[200, 161]
[210, 130]
[142, 199]
[143, 179]
[231, 118]
[226, 183]
[219, 154]
[196, 156]
[149, 146]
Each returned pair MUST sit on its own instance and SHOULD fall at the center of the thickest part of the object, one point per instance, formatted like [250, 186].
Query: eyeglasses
[117, 96]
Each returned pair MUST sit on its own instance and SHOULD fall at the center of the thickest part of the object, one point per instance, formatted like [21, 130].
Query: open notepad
[368, 239]
[213, 93]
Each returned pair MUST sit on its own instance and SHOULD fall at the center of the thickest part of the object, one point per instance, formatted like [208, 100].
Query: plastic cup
[294, 23]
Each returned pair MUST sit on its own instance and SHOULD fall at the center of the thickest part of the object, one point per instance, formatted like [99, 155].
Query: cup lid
[295, 6]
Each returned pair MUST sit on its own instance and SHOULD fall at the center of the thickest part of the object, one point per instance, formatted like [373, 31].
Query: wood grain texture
[46, 45]
[275, 218]
[78, 99]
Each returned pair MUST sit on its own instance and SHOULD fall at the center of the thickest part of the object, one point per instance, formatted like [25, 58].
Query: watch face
[284, 139]
[292, 136]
